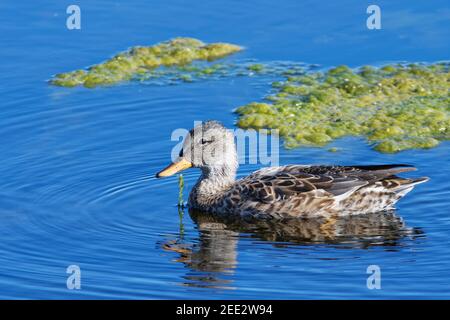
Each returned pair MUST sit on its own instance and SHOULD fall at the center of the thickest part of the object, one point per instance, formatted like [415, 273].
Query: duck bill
[173, 168]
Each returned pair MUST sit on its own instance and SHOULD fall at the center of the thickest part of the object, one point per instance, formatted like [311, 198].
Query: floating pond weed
[138, 60]
[181, 206]
[396, 107]
[180, 191]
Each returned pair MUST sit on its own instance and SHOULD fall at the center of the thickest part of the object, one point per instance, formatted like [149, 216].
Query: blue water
[77, 166]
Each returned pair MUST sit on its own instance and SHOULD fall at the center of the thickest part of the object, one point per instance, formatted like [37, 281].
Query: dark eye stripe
[181, 152]
[204, 141]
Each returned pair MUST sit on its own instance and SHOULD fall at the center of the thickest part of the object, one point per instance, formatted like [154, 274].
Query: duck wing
[274, 184]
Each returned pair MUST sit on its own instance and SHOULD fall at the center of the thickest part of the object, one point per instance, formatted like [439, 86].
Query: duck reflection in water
[212, 260]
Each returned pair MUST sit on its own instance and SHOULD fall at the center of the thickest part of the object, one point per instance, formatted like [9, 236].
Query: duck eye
[181, 153]
[205, 141]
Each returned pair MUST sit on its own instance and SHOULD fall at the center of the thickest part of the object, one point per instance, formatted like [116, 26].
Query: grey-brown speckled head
[210, 145]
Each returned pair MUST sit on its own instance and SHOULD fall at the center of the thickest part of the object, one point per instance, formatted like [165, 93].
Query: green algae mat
[140, 60]
[396, 107]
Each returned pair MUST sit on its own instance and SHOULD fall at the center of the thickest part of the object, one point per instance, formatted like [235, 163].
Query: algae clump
[180, 191]
[140, 60]
[396, 107]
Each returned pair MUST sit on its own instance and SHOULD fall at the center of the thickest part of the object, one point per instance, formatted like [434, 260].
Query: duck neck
[213, 182]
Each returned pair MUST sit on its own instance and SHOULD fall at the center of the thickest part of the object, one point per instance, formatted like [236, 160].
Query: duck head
[210, 147]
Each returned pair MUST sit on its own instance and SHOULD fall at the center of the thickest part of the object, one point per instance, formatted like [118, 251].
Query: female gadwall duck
[292, 191]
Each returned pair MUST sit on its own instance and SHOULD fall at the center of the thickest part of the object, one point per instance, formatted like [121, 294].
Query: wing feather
[279, 183]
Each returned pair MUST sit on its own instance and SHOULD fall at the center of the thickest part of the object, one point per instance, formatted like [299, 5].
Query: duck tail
[406, 185]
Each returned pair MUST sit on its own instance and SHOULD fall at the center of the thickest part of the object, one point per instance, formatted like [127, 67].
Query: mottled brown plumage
[293, 191]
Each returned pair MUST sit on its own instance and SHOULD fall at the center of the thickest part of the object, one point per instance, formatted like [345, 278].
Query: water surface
[77, 171]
